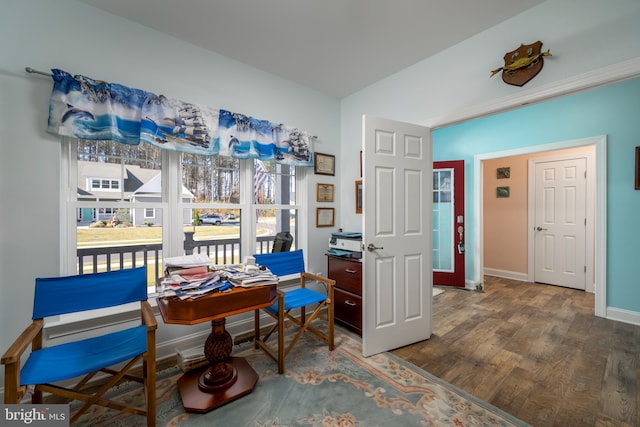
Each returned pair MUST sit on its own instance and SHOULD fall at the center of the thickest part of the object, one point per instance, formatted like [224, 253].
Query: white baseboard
[523, 277]
[625, 316]
[471, 285]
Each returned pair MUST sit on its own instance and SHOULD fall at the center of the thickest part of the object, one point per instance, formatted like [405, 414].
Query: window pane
[274, 183]
[103, 165]
[215, 232]
[111, 241]
[270, 223]
[110, 233]
[211, 178]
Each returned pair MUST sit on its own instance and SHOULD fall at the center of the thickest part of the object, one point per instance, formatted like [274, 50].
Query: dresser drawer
[348, 309]
[347, 274]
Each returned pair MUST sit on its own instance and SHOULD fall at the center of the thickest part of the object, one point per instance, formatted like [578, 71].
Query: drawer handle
[348, 270]
[350, 303]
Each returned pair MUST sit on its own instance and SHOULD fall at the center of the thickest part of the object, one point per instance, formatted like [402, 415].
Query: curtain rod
[31, 70]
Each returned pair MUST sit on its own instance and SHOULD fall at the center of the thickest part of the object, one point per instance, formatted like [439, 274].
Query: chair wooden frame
[33, 335]
[285, 303]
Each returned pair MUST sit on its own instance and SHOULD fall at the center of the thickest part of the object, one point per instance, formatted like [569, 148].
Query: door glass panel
[443, 243]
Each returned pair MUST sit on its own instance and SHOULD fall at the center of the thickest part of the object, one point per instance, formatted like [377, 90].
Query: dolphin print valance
[81, 107]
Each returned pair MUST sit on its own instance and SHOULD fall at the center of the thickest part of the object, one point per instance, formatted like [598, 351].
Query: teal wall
[613, 111]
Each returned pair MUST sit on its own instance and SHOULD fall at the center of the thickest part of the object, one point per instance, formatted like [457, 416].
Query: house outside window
[162, 203]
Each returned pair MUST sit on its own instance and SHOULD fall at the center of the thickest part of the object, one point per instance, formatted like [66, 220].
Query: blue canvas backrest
[282, 263]
[70, 294]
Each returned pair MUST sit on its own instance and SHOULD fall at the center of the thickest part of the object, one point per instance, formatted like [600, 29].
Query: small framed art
[324, 164]
[502, 173]
[325, 217]
[359, 196]
[502, 192]
[324, 192]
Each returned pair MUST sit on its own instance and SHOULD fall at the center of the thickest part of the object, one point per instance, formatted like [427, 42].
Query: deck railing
[108, 258]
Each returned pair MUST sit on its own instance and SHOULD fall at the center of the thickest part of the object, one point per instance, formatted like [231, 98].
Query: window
[133, 205]
[103, 184]
[274, 194]
[114, 191]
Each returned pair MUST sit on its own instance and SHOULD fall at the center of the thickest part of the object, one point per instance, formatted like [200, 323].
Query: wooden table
[227, 378]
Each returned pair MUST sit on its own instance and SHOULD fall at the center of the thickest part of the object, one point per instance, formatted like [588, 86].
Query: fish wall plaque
[522, 64]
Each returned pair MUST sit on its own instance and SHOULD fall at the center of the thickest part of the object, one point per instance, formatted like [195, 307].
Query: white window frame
[172, 206]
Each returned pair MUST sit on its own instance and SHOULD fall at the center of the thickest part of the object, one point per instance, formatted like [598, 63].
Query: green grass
[98, 236]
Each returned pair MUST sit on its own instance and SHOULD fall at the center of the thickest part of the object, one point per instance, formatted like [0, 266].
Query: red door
[448, 223]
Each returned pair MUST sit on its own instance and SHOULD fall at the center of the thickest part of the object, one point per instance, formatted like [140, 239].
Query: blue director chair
[288, 265]
[86, 357]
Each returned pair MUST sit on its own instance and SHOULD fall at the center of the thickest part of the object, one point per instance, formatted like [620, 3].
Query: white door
[397, 275]
[560, 222]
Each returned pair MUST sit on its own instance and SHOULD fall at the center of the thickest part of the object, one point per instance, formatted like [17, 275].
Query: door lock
[373, 247]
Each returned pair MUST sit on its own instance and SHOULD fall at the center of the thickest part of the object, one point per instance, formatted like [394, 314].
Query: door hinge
[585, 268]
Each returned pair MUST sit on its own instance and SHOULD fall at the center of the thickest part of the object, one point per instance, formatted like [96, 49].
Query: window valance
[85, 108]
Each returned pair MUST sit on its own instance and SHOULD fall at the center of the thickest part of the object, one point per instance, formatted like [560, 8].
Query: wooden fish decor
[522, 64]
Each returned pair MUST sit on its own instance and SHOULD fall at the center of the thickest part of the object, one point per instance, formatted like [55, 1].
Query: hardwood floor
[535, 351]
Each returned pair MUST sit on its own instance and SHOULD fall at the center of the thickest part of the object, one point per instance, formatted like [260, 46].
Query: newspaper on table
[254, 278]
[193, 276]
[187, 261]
[194, 286]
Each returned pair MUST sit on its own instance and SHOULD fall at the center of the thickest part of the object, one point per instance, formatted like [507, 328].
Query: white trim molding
[611, 74]
[505, 274]
[622, 315]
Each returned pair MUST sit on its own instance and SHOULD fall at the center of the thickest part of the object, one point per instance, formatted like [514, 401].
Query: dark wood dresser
[347, 272]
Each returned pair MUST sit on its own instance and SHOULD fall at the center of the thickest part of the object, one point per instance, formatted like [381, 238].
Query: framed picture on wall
[502, 192]
[324, 164]
[359, 196]
[325, 217]
[502, 173]
[324, 192]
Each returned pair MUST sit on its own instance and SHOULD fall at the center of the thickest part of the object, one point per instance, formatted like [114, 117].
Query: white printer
[346, 244]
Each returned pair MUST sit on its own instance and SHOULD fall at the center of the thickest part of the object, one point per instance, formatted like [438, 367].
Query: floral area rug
[320, 388]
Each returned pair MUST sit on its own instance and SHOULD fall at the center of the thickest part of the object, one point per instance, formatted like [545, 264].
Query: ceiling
[334, 46]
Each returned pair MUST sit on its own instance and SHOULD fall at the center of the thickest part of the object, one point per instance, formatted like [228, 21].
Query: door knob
[538, 228]
[373, 247]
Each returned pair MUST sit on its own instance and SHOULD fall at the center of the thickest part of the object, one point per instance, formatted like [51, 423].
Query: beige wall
[505, 219]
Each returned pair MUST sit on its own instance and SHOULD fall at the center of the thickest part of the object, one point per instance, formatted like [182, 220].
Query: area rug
[320, 388]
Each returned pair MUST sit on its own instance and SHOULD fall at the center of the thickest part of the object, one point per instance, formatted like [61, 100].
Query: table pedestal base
[195, 400]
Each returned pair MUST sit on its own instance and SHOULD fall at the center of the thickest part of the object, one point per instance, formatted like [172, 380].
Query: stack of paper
[187, 261]
[257, 278]
[195, 285]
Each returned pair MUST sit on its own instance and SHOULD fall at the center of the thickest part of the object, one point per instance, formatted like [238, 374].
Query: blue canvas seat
[86, 357]
[285, 308]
